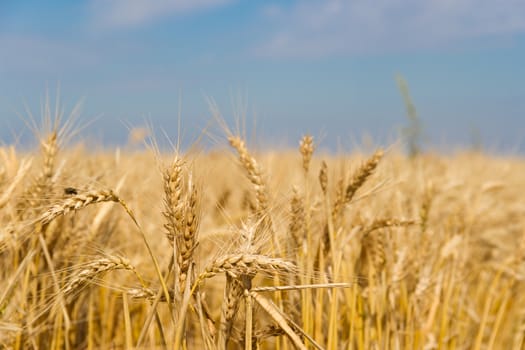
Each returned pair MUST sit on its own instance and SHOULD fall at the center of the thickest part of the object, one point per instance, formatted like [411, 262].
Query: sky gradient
[323, 67]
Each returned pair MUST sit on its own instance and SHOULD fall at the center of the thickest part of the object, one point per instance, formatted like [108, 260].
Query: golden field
[242, 248]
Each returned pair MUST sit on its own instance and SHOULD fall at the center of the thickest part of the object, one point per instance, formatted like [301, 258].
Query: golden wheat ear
[95, 268]
[78, 202]
[254, 173]
[306, 147]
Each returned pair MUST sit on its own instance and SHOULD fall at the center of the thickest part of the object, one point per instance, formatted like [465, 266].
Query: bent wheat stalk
[276, 314]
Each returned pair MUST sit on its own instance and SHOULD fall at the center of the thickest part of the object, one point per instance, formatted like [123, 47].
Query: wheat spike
[323, 177]
[236, 265]
[94, 269]
[77, 202]
[253, 171]
[362, 174]
[297, 219]
[233, 293]
[173, 205]
[306, 147]
[187, 239]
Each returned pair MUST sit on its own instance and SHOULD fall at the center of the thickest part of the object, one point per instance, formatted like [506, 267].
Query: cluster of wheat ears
[270, 250]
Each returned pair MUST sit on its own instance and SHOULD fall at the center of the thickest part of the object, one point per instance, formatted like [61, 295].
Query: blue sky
[323, 67]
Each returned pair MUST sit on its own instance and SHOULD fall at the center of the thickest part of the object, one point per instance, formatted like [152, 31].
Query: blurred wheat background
[236, 247]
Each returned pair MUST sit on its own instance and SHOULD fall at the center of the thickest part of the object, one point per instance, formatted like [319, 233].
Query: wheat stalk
[276, 314]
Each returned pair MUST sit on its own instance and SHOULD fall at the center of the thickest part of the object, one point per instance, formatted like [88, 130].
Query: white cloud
[315, 28]
[129, 13]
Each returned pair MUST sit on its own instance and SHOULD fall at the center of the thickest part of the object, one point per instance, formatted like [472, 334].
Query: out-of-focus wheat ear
[148, 294]
[247, 203]
[339, 201]
[424, 281]
[424, 211]
[78, 202]
[38, 192]
[254, 173]
[258, 335]
[373, 243]
[323, 177]
[362, 174]
[373, 249]
[233, 293]
[44, 180]
[49, 149]
[399, 268]
[96, 268]
[3, 175]
[187, 241]
[333, 218]
[384, 223]
[64, 243]
[297, 220]
[296, 244]
[222, 201]
[173, 204]
[306, 147]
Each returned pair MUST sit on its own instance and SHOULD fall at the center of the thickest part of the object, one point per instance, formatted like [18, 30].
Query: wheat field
[240, 248]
